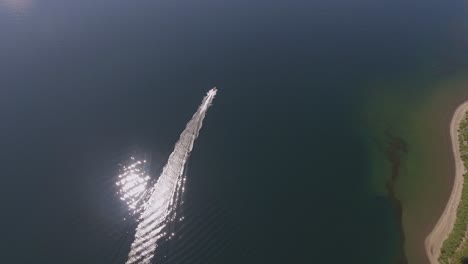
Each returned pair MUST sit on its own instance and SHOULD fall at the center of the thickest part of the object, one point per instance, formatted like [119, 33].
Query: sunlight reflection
[132, 183]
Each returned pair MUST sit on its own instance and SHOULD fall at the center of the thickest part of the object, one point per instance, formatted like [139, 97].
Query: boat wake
[164, 197]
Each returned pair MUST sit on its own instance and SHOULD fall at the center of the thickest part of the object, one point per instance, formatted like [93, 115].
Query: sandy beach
[444, 226]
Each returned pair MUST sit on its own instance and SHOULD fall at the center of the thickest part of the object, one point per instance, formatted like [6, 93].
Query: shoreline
[435, 240]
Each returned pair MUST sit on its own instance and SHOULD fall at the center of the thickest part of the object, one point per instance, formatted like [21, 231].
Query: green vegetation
[455, 248]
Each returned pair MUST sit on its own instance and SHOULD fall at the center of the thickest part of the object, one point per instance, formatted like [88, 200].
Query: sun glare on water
[133, 184]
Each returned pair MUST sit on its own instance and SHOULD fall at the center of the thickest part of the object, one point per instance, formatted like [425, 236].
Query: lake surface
[327, 141]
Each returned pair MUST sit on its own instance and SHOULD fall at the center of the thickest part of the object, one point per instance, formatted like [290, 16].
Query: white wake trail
[163, 200]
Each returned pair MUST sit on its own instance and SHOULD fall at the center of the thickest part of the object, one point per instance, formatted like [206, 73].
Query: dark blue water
[280, 172]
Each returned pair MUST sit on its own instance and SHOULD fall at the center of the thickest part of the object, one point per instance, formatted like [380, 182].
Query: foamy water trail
[159, 208]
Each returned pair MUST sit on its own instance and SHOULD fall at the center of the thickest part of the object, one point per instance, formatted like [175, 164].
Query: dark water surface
[292, 164]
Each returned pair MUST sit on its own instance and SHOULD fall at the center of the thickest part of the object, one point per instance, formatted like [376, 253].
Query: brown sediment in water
[395, 151]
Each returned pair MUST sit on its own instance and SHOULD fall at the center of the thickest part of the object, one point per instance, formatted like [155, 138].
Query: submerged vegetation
[455, 248]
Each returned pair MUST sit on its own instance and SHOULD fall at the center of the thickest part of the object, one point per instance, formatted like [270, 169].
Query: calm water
[292, 165]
